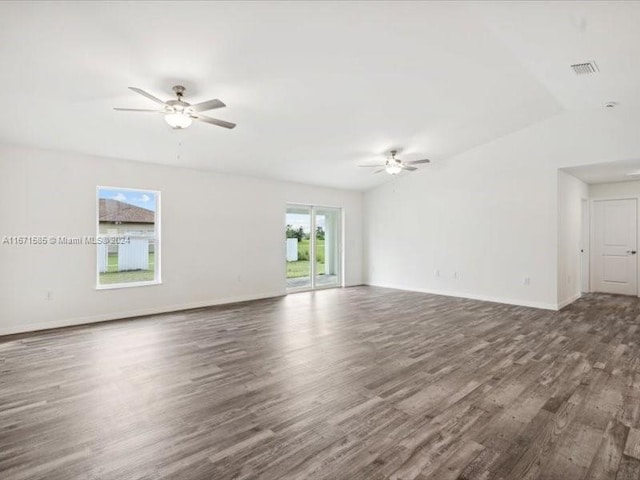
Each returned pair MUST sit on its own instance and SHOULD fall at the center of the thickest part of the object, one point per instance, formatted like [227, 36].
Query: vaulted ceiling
[315, 87]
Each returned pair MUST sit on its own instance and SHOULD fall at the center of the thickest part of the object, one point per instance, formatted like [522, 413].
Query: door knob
[632, 252]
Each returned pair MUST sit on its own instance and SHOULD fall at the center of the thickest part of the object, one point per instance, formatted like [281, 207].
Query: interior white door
[614, 247]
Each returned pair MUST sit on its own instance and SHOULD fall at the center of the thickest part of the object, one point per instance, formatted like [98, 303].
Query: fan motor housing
[177, 104]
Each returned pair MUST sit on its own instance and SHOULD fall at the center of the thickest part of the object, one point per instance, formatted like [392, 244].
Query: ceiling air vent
[585, 68]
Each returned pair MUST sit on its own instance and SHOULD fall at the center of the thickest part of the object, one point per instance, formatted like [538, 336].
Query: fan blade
[148, 95]
[214, 121]
[404, 167]
[415, 162]
[138, 110]
[377, 165]
[208, 105]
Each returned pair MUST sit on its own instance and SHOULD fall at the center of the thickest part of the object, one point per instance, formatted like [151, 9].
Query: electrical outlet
[49, 295]
[436, 272]
[526, 281]
[455, 275]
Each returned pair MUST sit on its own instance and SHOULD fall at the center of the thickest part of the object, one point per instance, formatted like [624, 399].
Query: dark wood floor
[362, 383]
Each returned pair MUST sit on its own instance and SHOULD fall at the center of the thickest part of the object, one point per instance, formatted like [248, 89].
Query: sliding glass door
[313, 251]
[299, 241]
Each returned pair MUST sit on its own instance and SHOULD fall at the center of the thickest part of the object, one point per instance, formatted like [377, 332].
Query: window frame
[157, 245]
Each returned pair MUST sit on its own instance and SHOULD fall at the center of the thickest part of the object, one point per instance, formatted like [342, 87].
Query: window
[128, 237]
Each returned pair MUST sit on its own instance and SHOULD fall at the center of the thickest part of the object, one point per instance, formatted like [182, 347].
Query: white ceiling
[315, 88]
[607, 172]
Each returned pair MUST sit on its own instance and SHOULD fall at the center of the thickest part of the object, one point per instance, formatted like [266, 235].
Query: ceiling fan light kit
[178, 120]
[393, 168]
[180, 114]
[393, 165]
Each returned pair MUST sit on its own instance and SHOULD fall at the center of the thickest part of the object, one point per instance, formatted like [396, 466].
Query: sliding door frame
[312, 248]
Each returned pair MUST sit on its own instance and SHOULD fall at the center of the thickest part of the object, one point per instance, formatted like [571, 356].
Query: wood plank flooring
[359, 383]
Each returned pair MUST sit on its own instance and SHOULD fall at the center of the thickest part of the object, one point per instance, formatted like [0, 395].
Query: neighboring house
[119, 218]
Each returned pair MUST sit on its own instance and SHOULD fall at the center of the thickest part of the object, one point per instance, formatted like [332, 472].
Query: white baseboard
[471, 296]
[32, 327]
[569, 301]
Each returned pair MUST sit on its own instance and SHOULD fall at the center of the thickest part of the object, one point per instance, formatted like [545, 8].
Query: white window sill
[114, 286]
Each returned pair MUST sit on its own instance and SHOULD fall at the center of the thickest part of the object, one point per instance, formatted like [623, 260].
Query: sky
[139, 198]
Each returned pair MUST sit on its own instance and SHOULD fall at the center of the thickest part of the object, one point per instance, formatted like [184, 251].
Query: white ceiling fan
[180, 114]
[393, 165]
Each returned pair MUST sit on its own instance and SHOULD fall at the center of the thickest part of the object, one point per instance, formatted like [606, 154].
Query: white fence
[133, 254]
[103, 257]
[292, 249]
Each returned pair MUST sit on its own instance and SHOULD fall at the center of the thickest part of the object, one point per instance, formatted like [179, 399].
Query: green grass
[303, 250]
[114, 276]
[301, 268]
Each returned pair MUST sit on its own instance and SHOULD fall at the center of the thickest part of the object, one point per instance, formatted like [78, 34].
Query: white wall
[615, 190]
[490, 213]
[571, 193]
[222, 237]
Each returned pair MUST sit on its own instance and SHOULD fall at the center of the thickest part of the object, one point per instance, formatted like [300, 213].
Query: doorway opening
[585, 246]
[599, 205]
[313, 247]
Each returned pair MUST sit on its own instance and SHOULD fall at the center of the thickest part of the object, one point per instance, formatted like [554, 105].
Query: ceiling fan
[180, 114]
[393, 165]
